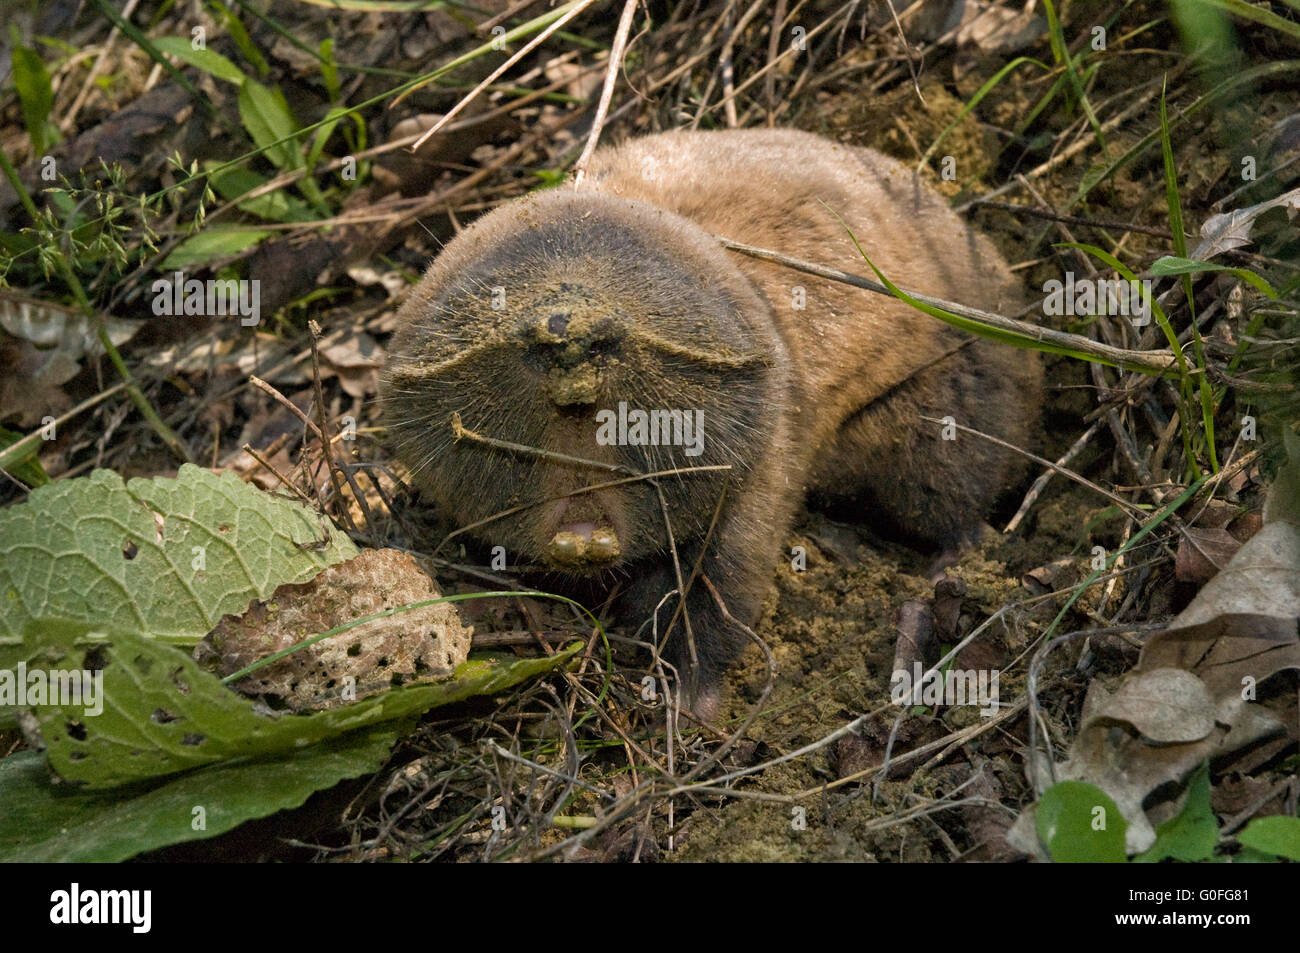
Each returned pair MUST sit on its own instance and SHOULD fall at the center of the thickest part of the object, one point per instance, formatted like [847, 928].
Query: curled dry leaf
[356, 358]
[1229, 230]
[1165, 706]
[416, 645]
[42, 346]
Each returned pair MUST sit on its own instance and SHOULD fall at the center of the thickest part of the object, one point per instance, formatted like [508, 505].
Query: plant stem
[165, 433]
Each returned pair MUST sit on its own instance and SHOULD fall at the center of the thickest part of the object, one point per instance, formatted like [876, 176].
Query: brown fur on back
[777, 189]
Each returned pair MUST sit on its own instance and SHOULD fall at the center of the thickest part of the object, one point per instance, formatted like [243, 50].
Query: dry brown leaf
[1166, 706]
[43, 346]
[1229, 230]
[1202, 553]
[402, 648]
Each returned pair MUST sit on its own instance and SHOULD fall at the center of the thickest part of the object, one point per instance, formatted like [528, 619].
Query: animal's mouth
[584, 538]
[585, 544]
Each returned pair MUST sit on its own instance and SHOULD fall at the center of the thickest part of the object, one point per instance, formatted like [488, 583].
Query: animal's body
[537, 322]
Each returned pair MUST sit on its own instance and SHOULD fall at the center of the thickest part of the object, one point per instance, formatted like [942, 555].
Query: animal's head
[601, 339]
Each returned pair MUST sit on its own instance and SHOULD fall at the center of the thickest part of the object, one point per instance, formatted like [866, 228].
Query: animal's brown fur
[616, 292]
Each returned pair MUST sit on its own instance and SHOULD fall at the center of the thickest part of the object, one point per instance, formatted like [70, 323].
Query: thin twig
[607, 91]
[1036, 490]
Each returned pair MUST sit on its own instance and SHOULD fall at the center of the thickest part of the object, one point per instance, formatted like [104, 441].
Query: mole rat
[604, 325]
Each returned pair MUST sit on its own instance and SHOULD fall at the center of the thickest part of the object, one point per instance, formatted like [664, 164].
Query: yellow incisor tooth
[603, 545]
[567, 549]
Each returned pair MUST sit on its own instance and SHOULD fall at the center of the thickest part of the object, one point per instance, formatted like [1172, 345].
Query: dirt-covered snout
[574, 341]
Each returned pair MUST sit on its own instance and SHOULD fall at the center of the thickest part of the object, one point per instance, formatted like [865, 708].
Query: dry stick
[948, 742]
[578, 492]
[1151, 362]
[607, 91]
[527, 48]
[790, 51]
[725, 19]
[1036, 490]
[726, 63]
[936, 668]
[1035, 716]
[1228, 471]
[513, 10]
[677, 576]
[437, 202]
[289, 484]
[322, 423]
[70, 119]
[715, 757]
[571, 779]
[1054, 216]
[328, 447]
[1232, 824]
[306, 421]
[907, 51]
[699, 562]
[462, 431]
[1045, 477]
[704, 46]
[951, 740]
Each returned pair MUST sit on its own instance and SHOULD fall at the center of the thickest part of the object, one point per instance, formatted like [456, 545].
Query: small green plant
[1077, 822]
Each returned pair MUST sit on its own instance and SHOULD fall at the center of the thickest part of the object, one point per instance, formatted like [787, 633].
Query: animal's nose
[572, 346]
[566, 339]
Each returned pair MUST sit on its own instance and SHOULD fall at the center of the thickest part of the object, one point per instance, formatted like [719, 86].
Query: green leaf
[28, 469]
[211, 244]
[210, 61]
[1173, 265]
[265, 114]
[231, 182]
[1079, 823]
[1273, 835]
[329, 68]
[35, 93]
[157, 712]
[42, 822]
[1193, 834]
[167, 557]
